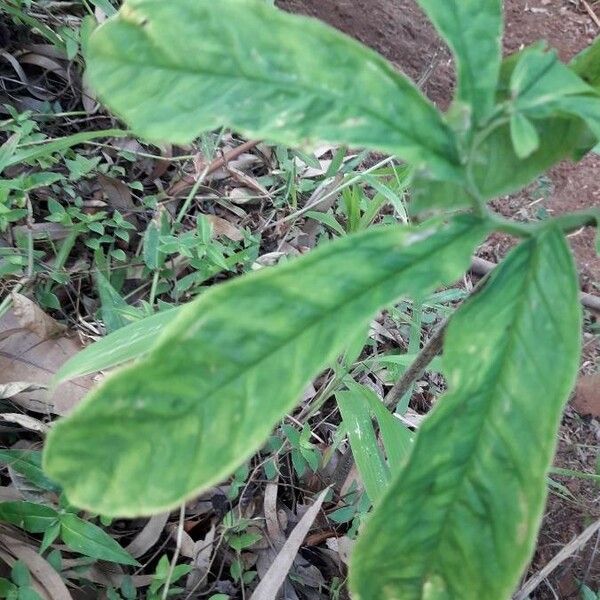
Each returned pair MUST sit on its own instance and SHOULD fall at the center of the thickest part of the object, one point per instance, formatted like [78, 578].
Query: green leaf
[234, 361]
[34, 518]
[125, 344]
[543, 87]
[587, 64]
[20, 574]
[524, 135]
[463, 514]
[29, 464]
[30, 152]
[50, 536]
[88, 539]
[397, 439]
[111, 304]
[473, 30]
[363, 442]
[539, 78]
[175, 69]
[7, 588]
[500, 171]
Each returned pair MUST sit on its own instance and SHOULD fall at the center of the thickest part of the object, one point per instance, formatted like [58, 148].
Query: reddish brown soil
[398, 30]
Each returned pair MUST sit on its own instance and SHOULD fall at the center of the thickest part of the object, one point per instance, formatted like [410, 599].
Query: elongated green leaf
[88, 539]
[234, 362]
[473, 30]
[174, 69]
[463, 514]
[32, 517]
[127, 343]
[587, 64]
[31, 152]
[371, 465]
[29, 464]
[397, 439]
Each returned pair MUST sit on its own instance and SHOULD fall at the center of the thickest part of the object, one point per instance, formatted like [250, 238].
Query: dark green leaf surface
[462, 516]
[88, 539]
[29, 464]
[32, 517]
[587, 64]
[473, 30]
[500, 171]
[174, 69]
[234, 362]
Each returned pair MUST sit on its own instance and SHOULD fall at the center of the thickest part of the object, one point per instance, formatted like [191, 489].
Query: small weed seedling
[457, 509]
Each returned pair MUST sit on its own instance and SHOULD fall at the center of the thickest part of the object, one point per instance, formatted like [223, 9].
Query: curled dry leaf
[31, 317]
[26, 357]
[201, 555]
[8, 390]
[25, 421]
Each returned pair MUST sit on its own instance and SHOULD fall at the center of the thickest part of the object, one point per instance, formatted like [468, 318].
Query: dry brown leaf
[118, 196]
[25, 421]
[9, 494]
[587, 395]
[31, 317]
[269, 585]
[8, 390]
[46, 580]
[148, 536]
[342, 547]
[271, 515]
[243, 195]
[201, 563]
[223, 227]
[42, 231]
[26, 357]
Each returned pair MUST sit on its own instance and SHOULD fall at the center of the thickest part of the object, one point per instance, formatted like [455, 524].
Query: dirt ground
[398, 30]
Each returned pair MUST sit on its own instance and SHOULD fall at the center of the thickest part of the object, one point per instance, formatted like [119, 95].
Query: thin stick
[430, 350]
[178, 542]
[591, 12]
[433, 347]
[533, 582]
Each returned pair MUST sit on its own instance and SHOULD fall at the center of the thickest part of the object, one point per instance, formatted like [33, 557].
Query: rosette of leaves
[459, 519]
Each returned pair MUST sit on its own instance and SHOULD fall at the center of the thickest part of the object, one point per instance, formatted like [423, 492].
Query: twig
[533, 582]
[430, 350]
[592, 14]
[175, 558]
[433, 347]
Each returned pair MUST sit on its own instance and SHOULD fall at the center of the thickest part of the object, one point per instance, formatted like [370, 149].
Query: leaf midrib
[241, 372]
[470, 463]
[336, 96]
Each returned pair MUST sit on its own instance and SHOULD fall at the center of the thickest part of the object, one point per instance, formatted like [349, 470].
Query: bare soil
[398, 30]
